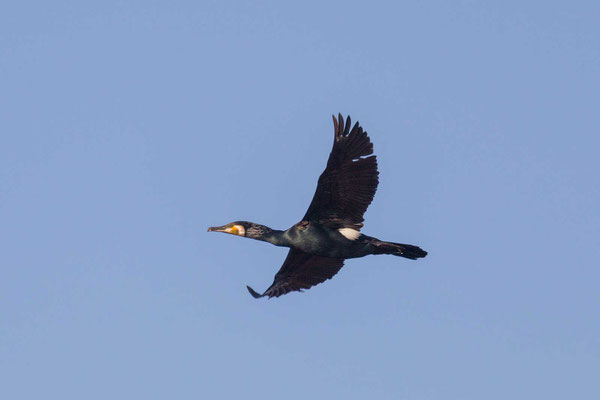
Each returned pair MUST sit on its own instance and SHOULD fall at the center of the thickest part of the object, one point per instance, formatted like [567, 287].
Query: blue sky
[128, 128]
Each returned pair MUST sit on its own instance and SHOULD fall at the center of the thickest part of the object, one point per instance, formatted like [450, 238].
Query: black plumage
[329, 231]
[349, 182]
[300, 271]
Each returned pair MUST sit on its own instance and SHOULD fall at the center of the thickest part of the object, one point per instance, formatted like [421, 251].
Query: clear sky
[128, 128]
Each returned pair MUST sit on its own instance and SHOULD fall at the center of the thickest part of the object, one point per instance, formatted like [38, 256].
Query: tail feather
[399, 249]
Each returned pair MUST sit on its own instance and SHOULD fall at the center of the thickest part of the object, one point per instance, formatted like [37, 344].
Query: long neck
[266, 234]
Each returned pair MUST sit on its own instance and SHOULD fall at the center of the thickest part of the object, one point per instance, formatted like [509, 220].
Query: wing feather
[349, 182]
[300, 271]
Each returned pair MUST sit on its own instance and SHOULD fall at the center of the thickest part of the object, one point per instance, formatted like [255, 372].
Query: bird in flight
[329, 232]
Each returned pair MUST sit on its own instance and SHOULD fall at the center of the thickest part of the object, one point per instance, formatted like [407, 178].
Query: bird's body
[329, 233]
[323, 241]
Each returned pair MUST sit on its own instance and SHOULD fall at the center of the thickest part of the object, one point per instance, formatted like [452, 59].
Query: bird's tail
[398, 249]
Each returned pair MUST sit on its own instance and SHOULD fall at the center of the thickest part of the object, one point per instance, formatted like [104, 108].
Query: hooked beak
[217, 229]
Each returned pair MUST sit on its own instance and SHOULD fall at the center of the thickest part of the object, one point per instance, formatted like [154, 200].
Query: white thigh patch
[349, 233]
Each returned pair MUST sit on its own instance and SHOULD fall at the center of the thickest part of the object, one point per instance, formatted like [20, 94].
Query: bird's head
[238, 228]
[244, 229]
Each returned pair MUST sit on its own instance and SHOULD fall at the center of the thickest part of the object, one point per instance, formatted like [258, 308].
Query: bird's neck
[266, 234]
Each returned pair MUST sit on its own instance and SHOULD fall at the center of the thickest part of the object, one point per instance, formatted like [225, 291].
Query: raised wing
[348, 184]
[300, 271]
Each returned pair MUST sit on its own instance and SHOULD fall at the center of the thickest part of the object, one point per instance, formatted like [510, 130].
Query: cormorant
[330, 231]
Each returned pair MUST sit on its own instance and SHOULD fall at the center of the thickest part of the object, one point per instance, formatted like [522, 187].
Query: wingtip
[335, 126]
[347, 126]
[254, 293]
[340, 127]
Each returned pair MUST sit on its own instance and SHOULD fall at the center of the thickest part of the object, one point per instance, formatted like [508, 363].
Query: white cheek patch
[241, 230]
[349, 233]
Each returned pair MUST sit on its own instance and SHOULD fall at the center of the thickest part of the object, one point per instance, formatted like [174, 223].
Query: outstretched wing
[300, 271]
[348, 184]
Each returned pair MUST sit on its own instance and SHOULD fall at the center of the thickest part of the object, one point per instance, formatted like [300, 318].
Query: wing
[348, 184]
[300, 271]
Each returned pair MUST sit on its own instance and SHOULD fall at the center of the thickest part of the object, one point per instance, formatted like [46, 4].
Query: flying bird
[329, 232]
